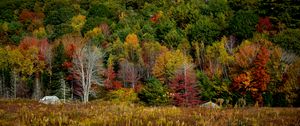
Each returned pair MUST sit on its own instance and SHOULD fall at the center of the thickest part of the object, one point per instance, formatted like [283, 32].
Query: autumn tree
[6, 65]
[130, 72]
[217, 59]
[87, 65]
[33, 63]
[110, 82]
[14, 58]
[183, 86]
[260, 76]
[166, 65]
[77, 22]
[151, 50]
[254, 78]
[131, 69]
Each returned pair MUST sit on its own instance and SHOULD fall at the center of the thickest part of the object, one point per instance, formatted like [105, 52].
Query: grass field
[28, 112]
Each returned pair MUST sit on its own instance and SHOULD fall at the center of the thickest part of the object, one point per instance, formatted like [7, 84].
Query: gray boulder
[50, 100]
[210, 105]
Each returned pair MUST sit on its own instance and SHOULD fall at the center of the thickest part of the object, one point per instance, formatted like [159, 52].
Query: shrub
[126, 95]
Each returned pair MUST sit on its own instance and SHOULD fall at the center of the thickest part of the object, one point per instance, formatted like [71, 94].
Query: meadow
[28, 112]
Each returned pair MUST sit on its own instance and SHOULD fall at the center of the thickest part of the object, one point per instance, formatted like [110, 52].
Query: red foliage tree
[183, 89]
[110, 83]
[42, 45]
[28, 42]
[33, 17]
[43, 49]
[70, 50]
[264, 24]
[67, 64]
[156, 17]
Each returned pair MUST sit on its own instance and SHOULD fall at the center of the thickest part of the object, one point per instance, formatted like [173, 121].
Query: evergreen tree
[58, 71]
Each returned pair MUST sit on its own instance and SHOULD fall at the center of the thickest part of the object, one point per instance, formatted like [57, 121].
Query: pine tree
[58, 71]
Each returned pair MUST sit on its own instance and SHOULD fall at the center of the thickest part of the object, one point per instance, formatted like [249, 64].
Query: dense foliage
[180, 52]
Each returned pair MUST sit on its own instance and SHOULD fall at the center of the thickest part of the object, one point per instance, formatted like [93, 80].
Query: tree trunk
[1, 84]
[63, 83]
[14, 84]
[37, 88]
[85, 96]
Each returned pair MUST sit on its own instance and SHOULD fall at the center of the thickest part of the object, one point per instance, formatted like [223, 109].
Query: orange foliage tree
[253, 77]
[260, 76]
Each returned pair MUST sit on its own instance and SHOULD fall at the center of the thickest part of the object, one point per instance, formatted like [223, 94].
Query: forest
[152, 52]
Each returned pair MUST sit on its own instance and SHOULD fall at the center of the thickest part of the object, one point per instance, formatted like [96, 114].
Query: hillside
[152, 52]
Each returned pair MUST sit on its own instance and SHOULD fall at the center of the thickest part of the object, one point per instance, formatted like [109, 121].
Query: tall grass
[27, 112]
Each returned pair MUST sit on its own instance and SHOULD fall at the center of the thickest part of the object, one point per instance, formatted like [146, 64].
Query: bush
[126, 95]
[154, 93]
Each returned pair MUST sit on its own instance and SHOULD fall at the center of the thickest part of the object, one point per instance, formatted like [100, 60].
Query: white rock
[50, 100]
[210, 105]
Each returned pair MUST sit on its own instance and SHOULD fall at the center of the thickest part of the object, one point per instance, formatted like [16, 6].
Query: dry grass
[28, 112]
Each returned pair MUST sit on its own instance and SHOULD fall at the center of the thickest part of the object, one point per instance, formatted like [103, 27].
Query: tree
[242, 24]
[154, 93]
[260, 76]
[77, 22]
[58, 12]
[57, 84]
[166, 65]
[288, 39]
[246, 54]
[131, 69]
[264, 25]
[204, 30]
[130, 72]
[183, 86]
[218, 59]
[132, 48]
[33, 51]
[87, 64]
[14, 58]
[110, 82]
[254, 77]
[151, 50]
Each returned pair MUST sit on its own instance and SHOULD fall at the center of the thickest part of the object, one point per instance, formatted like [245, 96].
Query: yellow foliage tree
[132, 39]
[77, 22]
[93, 33]
[40, 33]
[132, 48]
[167, 64]
[218, 58]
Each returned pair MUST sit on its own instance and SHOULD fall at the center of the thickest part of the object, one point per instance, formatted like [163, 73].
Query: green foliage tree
[58, 12]
[289, 40]
[212, 89]
[204, 30]
[154, 93]
[58, 71]
[242, 24]
[100, 10]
